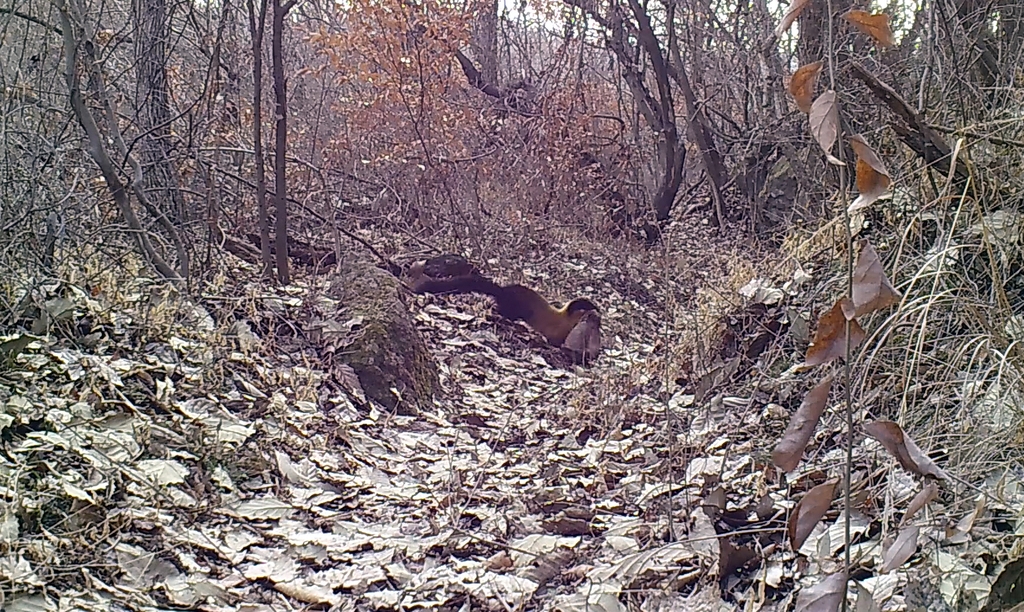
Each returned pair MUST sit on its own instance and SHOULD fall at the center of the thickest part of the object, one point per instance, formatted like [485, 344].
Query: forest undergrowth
[164, 451]
[800, 222]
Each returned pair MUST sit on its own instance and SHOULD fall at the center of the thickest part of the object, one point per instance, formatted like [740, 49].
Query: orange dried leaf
[792, 13]
[901, 550]
[830, 338]
[791, 447]
[863, 150]
[871, 287]
[874, 25]
[809, 511]
[801, 85]
[826, 596]
[873, 179]
[902, 447]
[824, 120]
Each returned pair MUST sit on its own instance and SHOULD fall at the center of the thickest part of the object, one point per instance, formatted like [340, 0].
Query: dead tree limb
[914, 132]
[657, 108]
[71, 14]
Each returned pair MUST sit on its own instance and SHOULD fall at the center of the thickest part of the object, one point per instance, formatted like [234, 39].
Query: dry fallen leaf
[801, 85]
[865, 602]
[871, 287]
[901, 550]
[808, 511]
[960, 534]
[790, 448]
[903, 448]
[924, 497]
[826, 596]
[874, 25]
[830, 338]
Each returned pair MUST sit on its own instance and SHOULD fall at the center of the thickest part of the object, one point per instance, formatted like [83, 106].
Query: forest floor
[159, 455]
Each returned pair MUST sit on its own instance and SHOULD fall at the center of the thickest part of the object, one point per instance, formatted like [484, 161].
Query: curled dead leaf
[801, 85]
[863, 150]
[875, 25]
[904, 449]
[961, 533]
[808, 511]
[901, 550]
[826, 596]
[865, 602]
[792, 13]
[924, 497]
[790, 448]
[871, 287]
[873, 180]
[824, 120]
[830, 338]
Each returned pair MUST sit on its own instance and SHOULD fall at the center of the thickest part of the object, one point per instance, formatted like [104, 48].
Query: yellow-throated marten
[514, 302]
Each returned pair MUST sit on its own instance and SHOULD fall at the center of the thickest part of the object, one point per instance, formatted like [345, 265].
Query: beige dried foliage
[824, 122]
[705, 322]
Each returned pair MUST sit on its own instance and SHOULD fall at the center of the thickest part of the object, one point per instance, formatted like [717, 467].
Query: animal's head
[580, 305]
[584, 341]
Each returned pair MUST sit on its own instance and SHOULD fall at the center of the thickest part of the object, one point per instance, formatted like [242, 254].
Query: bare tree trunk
[485, 39]
[671, 152]
[813, 22]
[71, 21]
[154, 108]
[256, 29]
[658, 110]
[698, 123]
[280, 141]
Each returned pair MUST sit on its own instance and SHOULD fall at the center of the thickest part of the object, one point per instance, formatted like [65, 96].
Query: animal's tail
[472, 283]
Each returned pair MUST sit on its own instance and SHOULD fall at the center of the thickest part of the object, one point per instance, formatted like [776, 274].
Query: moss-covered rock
[384, 349]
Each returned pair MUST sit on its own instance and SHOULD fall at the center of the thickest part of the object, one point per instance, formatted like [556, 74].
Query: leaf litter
[206, 468]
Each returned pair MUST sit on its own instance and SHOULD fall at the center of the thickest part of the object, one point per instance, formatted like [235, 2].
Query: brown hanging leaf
[826, 596]
[901, 550]
[863, 150]
[791, 447]
[824, 120]
[873, 180]
[871, 287]
[924, 497]
[801, 85]
[902, 447]
[808, 511]
[792, 13]
[874, 25]
[830, 338]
